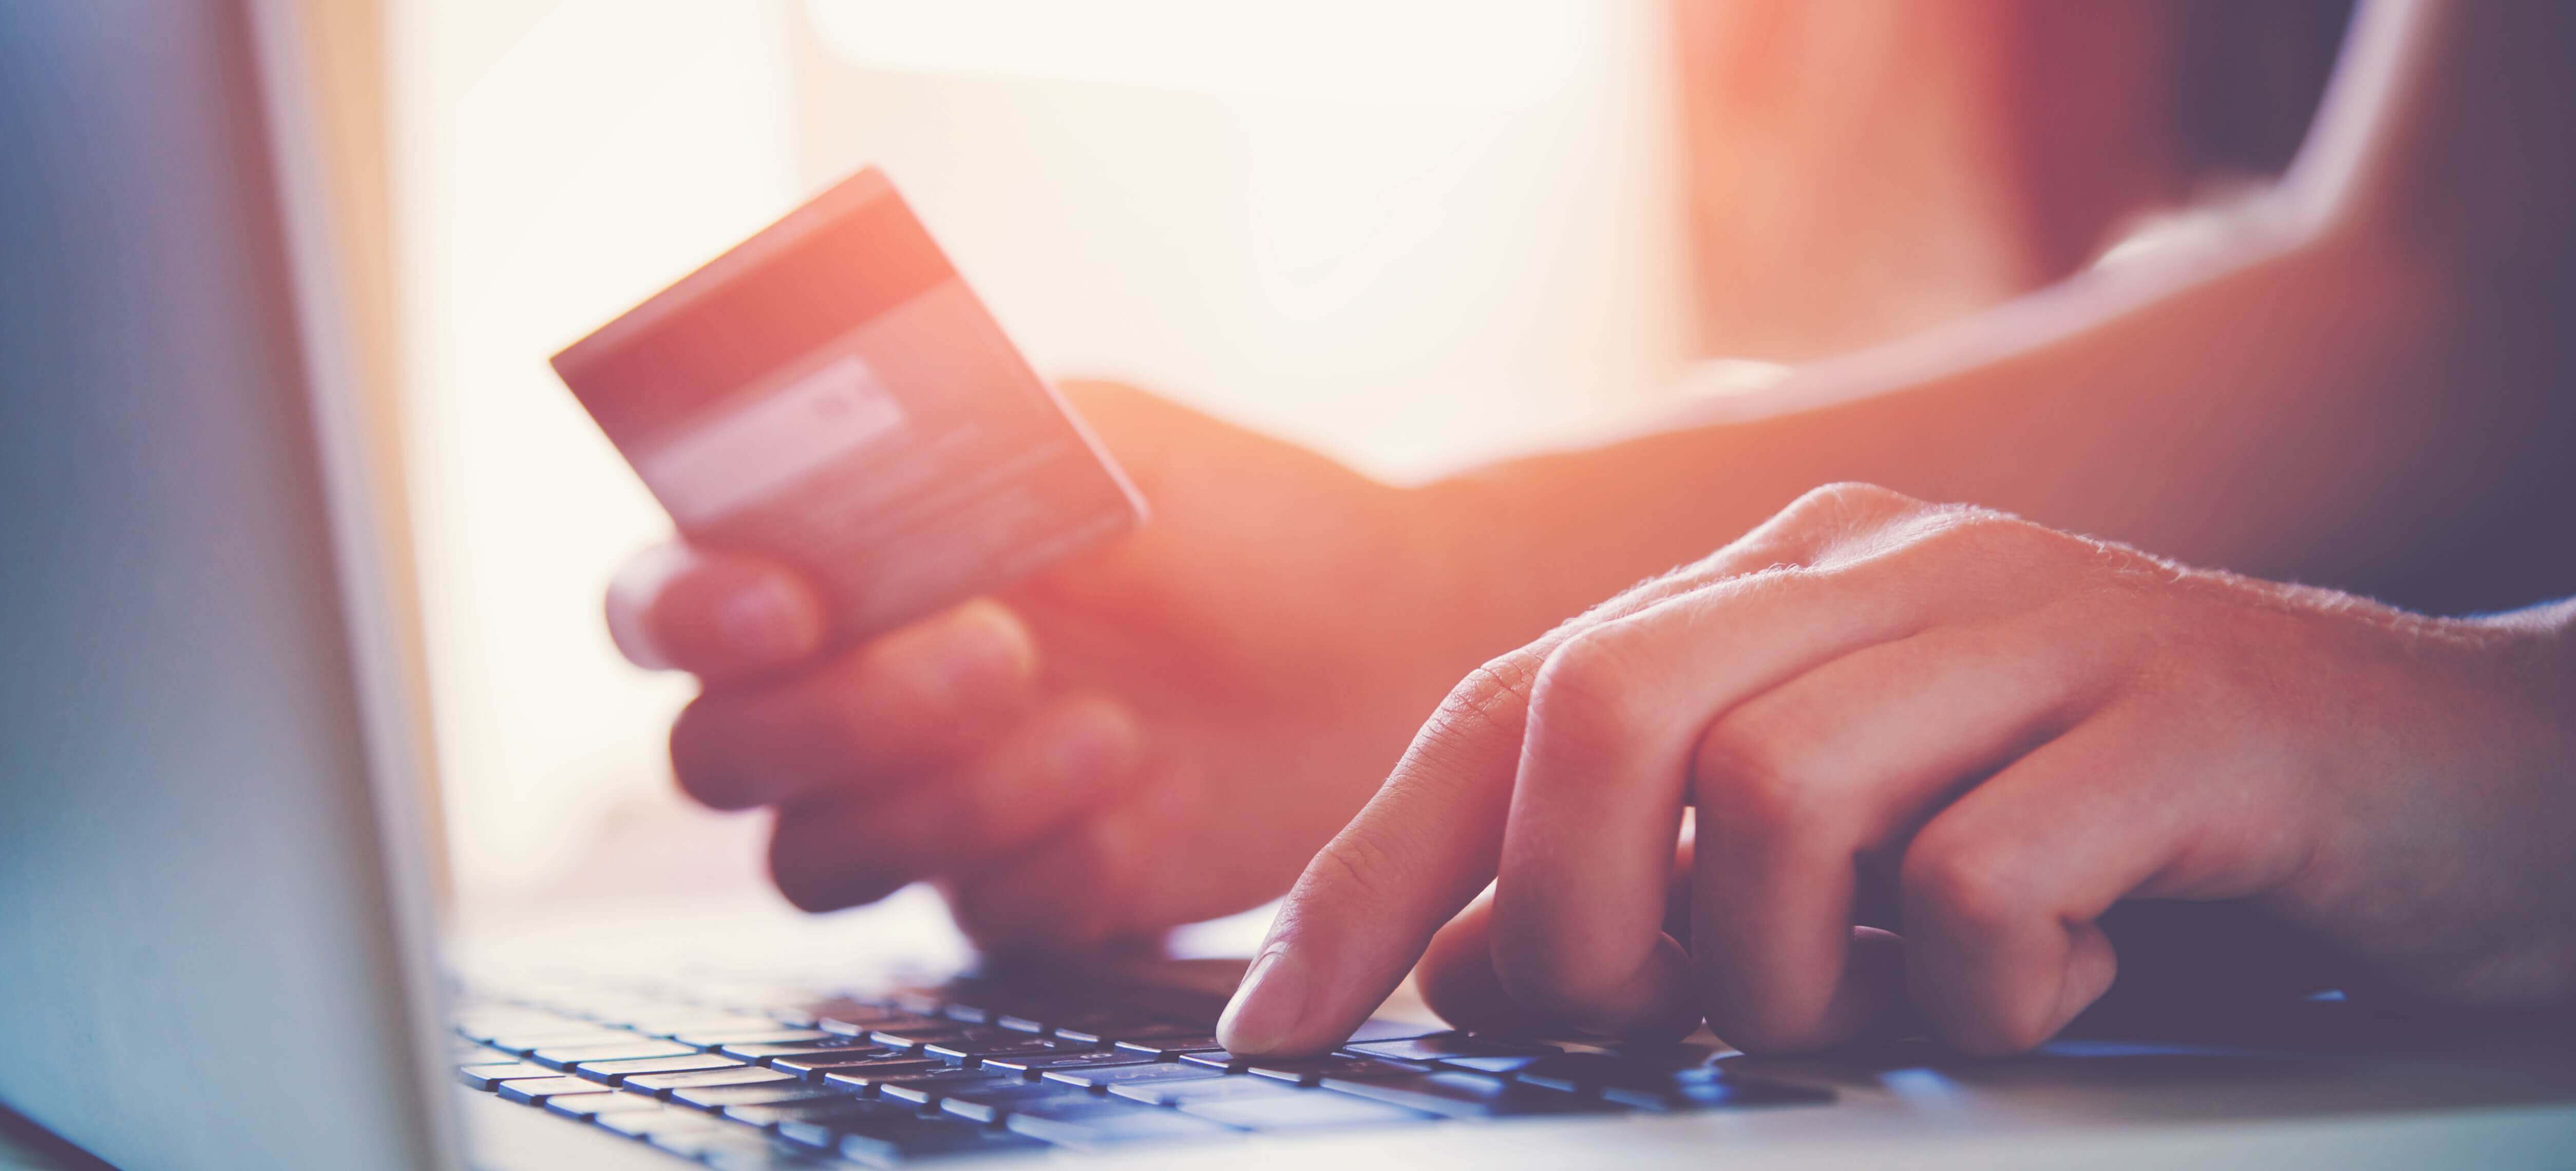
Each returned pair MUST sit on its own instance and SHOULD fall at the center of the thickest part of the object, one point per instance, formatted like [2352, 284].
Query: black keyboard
[885, 1077]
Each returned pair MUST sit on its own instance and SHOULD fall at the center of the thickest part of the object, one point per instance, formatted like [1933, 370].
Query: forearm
[2325, 413]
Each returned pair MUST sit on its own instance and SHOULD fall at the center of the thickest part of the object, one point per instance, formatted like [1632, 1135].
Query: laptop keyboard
[771, 1078]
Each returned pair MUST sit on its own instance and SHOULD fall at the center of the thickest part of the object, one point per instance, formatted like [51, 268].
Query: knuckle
[1494, 686]
[1846, 505]
[1972, 887]
[1827, 519]
[1752, 770]
[1960, 529]
[1586, 689]
[1845, 498]
[1492, 697]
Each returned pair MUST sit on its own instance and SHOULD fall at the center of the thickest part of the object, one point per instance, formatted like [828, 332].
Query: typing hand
[2007, 728]
[1161, 731]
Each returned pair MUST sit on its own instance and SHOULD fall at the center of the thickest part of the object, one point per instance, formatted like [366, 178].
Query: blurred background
[1414, 234]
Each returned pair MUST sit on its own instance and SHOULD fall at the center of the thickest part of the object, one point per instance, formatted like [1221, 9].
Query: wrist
[1481, 553]
[1525, 544]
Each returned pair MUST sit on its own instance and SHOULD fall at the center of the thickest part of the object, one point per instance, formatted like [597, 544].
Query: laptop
[218, 939]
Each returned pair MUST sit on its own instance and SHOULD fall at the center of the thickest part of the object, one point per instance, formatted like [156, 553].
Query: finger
[1073, 890]
[1796, 786]
[1457, 979]
[1370, 901]
[1068, 758]
[1457, 976]
[2003, 889]
[870, 717]
[1615, 720]
[717, 614]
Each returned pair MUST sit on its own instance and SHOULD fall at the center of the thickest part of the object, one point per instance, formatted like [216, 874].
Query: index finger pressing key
[1429, 840]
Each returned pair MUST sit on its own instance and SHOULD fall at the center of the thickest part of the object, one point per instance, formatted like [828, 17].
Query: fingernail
[983, 641]
[766, 620]
[1266, 1009]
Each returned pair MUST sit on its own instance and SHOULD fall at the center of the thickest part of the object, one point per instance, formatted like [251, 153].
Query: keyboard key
[660, 1085]
[1718, 1094]
[1466, 1095]
[1307, 1111]
[703, 1022]
[887, 1142]
[889, 1020]
[1167, 1048]
[988, 1106]
[749, 1150]
[567, 1056]
[1110, 1028]
[1231, 1087]
[1101, 1078]
[1504, 1066]
[926, 1089]
[533, 1091]
[616, 1072]
[983, 1043]
[1041, 1063]
[523, 1044]
[821, 1129]
[586, 1107]
[813, 1112]
[867, 1082]
[768, 1034]
[1096, 1124]
[837, 1043]
[886, 1061]
[919, 1001]
[637, 1124]
[607, 1008]
[722, 1146]
[1588, 1073]
[481, 1028]
[1442, 1045]
[915, 1038]
[485, 1075]
[1037, 1011]
[1373, 1030]
[718, 1098]
[852, 1016]
[1303, 1070]
[1041, 1018]
[1307, 1071]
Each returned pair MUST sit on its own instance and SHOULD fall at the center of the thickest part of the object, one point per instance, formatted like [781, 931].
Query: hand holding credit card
[830, 394]
[1161, 732]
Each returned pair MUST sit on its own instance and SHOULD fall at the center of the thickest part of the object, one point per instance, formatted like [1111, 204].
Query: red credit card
[829, 393]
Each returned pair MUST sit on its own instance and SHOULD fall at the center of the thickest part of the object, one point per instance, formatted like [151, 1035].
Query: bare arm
[2363, 383]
